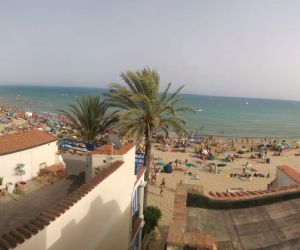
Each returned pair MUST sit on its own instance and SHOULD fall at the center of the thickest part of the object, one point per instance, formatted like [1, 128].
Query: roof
[177, 234]
[274, 226]
[24, 140]
[109, 149]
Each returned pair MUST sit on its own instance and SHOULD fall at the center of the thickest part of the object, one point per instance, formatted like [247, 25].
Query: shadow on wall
[75, 163]
[104, 227]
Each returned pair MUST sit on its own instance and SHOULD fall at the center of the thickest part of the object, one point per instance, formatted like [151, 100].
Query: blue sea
[220, 116]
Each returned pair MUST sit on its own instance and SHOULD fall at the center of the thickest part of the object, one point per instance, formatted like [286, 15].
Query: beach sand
[210, 181]
[17, 122]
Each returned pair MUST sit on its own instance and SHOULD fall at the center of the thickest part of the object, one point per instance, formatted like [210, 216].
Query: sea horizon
[221, 116]
[182, 92]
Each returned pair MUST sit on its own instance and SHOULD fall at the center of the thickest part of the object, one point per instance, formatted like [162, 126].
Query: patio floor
[19, 209]
[273, 227]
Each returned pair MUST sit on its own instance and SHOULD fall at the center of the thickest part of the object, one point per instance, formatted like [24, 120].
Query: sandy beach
[211, 181]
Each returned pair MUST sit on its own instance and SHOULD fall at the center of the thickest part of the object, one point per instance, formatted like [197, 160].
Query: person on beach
[163, 183]
[154, 177]
[266, 153]
[161, 191]
[176, 162]
[246, 165]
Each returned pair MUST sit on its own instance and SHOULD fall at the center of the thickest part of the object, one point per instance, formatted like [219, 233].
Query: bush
[19, 169]
[151, 216]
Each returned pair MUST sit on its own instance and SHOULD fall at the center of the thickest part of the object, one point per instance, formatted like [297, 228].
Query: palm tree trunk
[147, 163]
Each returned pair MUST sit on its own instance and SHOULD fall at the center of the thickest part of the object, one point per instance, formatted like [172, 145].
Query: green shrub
[151, 216]
[1, 181]
[19, 170]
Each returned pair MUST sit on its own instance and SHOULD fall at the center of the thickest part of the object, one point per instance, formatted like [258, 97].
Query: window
[135, 201]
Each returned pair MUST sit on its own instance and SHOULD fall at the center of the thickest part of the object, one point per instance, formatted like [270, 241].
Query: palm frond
[90, 117]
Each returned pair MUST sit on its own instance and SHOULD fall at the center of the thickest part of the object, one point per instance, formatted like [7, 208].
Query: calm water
[221, 116]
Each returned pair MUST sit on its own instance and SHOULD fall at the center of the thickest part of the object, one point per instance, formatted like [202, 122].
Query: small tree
[151, 215]
[19, 170]
[90, 116]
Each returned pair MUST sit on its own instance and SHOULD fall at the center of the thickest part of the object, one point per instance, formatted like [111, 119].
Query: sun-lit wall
[32, 158]
[100, 220]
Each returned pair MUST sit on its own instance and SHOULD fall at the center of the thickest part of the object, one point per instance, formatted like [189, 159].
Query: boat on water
[199, 110]
[246, 103]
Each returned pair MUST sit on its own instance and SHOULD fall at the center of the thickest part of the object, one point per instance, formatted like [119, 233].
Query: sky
[227, 48]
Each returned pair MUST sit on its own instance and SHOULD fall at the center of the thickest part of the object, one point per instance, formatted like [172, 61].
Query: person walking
[163, 182]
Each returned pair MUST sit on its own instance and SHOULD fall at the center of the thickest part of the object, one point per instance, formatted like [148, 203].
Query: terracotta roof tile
[33, 229]
[17, 236]
[22, 230]
[24, 140]
[177, 236]
[11, 240]
[109, 149]
[5, 245]
[37, 224]
[290, 172]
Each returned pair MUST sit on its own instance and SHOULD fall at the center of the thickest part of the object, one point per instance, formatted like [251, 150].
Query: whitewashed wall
[31, 158]
[101, 220]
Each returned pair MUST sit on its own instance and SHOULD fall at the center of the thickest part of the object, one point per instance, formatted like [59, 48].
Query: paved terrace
[17, 212]
[273, 227]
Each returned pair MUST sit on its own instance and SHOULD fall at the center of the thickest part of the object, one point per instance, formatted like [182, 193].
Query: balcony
[136, 225]
[139, 161]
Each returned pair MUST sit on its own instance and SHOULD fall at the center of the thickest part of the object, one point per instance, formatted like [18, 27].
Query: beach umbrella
[280, 146]
[225, 154]
[211, 157]
[161, 163]
[190, 165]
[168, 169]
[204, 151]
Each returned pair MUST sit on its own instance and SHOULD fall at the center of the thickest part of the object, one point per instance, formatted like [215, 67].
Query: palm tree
[90, 117]
[145, 110]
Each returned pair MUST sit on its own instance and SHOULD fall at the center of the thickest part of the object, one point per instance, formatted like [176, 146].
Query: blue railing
[139, 160]
[76, 145]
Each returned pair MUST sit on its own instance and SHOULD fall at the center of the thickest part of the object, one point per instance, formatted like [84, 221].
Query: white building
[106, 213]
[130, 188]
[32, 148]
